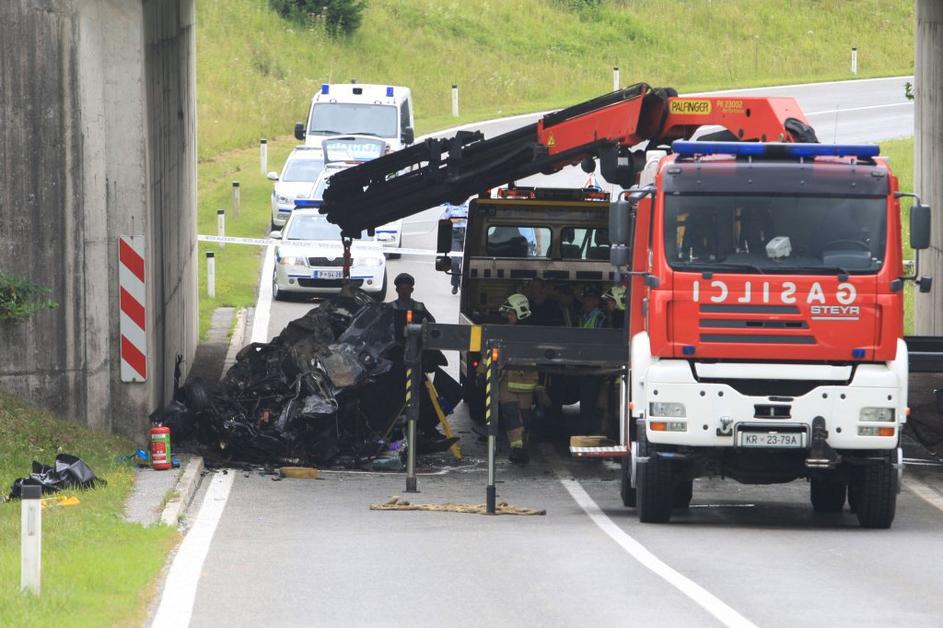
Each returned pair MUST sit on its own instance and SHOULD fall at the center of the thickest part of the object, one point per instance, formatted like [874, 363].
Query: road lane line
[263, 307]
[924, 492]
[176, 602]
[862, 108]
[636, 550]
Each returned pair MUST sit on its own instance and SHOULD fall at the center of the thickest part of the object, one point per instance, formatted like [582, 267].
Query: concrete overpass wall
[97, 103]
[928, 156]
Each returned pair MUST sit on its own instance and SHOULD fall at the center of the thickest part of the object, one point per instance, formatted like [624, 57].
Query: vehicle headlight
[292, 260]
[666, 408]
[882, 415]
[372, 261]
[283, 200]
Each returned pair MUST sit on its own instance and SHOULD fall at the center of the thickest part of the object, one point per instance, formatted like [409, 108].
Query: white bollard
[854, 61]
[263, 156]
[235, 200]
[221, 225]
[615, 78]
[31, 546]
[454, 101]
[211, 274]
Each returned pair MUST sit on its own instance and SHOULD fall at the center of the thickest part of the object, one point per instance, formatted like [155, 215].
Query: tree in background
[340, 17]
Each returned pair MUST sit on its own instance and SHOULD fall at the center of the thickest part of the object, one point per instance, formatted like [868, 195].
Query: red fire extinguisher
[160, 448]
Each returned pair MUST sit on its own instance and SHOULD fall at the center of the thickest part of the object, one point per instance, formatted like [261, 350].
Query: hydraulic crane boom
[608, 127]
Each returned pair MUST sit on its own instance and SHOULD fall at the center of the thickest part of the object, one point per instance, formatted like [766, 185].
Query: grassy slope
[256, 73]
[96, 568]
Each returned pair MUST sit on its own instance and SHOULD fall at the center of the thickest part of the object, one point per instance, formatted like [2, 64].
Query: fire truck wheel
[876, 495]
[653, 484]
[683, 492]
[828, 494]
[628, 493]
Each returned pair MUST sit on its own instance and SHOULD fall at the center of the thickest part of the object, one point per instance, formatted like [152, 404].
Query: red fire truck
[765, 285]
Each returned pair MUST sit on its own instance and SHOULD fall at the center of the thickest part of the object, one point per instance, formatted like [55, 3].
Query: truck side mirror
[444, 237]
[443, 263]
[618, 223]
[299, 131]
[409, 135]
[919, 227]
[619, 255]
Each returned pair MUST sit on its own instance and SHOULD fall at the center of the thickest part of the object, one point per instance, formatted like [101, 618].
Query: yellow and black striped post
[492, 385]
[413, 359]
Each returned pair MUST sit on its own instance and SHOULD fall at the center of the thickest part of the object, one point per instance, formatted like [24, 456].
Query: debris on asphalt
[328, 391]
[68, 471]
[299, 473]
[501, 508]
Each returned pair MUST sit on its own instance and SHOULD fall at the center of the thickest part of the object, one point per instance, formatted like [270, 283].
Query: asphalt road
[301, 552]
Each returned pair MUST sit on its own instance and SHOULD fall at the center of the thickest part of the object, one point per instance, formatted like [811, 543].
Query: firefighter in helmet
[614, 301]
[516, 385]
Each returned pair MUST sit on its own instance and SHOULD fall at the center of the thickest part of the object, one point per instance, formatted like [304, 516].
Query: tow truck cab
[767, 327]
[557, 235]
[383, 111]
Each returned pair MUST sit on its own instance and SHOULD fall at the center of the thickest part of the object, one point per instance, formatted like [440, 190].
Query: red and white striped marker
[133, 301]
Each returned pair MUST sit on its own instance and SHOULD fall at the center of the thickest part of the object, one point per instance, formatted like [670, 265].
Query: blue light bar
[770, 149]
[301, 203]
[389, 92]
[325, 88]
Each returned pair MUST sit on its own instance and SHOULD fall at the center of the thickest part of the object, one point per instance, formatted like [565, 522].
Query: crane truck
[764, 274]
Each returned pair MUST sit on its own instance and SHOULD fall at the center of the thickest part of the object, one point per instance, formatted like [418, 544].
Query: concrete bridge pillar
[97, 141]
[928, 156]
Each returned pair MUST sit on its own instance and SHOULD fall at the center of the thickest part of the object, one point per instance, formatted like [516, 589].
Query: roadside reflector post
[235, 200]
[492, 416]
[211, 274]
[615, 78]
[31, 535]
[454, 100]
[263, 156]
[221, 225]
[413, 359]
[854, 61]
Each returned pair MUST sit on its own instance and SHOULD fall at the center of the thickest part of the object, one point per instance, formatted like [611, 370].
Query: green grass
[97, 570]
[237, 266]
[900, 155]
[256, 72]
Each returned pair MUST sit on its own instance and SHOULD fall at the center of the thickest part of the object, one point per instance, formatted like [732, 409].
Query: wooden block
[590, 441]
[301, 473]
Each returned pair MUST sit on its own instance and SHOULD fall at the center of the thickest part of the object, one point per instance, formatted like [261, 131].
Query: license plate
[772, 439]
[328, 274]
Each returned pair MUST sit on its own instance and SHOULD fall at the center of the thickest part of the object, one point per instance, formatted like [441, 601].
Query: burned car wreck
[327, 391]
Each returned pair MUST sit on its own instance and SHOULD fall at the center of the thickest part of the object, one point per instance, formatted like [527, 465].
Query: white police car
[309, 259]
[297, 180]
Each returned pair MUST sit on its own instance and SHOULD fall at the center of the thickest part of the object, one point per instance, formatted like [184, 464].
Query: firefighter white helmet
[617, 294]
[518, 304]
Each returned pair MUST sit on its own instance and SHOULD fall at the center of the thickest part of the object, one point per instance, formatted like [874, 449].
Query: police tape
[310, 244]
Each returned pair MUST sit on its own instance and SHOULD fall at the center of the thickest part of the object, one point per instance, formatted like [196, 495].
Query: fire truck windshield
[778, 234]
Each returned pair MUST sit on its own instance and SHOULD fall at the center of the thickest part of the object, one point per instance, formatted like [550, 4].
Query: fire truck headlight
[880, 415]
[666, 409]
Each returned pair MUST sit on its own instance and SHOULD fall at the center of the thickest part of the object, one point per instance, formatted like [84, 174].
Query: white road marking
[263, 307]
[176, 602]
[706, 600]
[841, 110]
[924, 492]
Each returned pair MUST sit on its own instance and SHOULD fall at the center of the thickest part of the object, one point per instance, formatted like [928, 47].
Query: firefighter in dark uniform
[404, 284]
[516, 386]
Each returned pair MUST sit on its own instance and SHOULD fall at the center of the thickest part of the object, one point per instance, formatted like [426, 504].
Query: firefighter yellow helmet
[518, 304]
[617, 294]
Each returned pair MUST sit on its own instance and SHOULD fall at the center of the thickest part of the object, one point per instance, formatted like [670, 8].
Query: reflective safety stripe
[514, 387]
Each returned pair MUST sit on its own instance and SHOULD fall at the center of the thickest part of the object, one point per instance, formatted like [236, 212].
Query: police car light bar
[769, 149]
[389, 92]
[324, 88]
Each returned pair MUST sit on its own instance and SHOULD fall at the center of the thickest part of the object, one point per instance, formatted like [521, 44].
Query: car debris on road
[328, 391]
